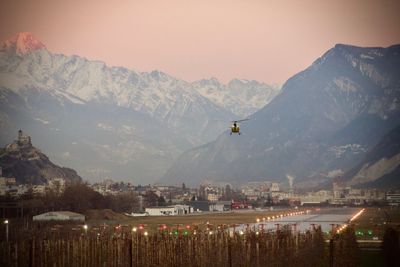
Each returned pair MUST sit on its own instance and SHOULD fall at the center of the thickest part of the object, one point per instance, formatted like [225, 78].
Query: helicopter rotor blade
[240, 120]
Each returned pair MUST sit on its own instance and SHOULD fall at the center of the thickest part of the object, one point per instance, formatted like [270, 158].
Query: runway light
[357, 215]
[341, 228]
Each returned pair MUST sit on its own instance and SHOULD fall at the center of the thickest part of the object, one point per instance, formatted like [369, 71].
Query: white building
[57, 184]
[393, 199]
[8, 186]
[39, 189]
[256, 190]
[169, 210]
[316, 198]
[59, 216]
[275, 187]
[212, 197]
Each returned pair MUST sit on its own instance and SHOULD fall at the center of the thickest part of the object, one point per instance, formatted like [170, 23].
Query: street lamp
[86, 228]
[6, 223]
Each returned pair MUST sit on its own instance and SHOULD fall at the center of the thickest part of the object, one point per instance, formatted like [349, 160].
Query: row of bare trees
[391, 247]
[127, 248]
[281, 248]
[77, 197]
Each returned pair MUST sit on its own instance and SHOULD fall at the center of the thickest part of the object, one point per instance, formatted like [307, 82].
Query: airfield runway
[321, 217]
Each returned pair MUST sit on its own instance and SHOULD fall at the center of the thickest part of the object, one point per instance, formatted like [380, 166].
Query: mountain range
[326, 120]
[112, 121]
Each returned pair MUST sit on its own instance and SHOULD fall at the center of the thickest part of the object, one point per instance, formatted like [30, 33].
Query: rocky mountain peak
[22, 43]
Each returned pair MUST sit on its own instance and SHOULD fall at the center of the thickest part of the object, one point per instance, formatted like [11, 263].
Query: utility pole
[331, 247]
[6, 223]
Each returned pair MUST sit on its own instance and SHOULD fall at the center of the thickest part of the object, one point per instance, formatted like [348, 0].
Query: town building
[39, 190]
[393, 198]
[57, 185]
[200, 206]
[316, 198]
[220, 206]
[8, 185]
[275, 187]
[257, 190]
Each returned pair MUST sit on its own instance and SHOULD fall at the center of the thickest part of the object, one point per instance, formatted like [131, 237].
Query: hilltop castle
[23, 139]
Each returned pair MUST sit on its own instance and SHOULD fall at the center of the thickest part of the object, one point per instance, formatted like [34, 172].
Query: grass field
[374, 221]
[201, 220]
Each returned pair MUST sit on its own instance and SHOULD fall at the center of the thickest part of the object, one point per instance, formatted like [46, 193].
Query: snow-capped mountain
[241, 97]
[22, 44]
[322, 122]
[164, 98]
[140, 121]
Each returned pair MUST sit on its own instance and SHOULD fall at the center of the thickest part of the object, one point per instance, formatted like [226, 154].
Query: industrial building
[60, 216]
[169, 210]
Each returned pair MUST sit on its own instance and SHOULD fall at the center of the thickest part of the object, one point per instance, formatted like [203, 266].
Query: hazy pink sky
[252, 39]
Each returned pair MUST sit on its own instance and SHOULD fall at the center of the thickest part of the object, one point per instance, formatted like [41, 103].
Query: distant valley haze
[145, 91]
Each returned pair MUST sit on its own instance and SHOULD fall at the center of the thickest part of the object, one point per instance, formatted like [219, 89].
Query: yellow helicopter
[235, 127]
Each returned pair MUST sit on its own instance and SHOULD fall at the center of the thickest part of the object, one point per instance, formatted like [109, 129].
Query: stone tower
[23, 139]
